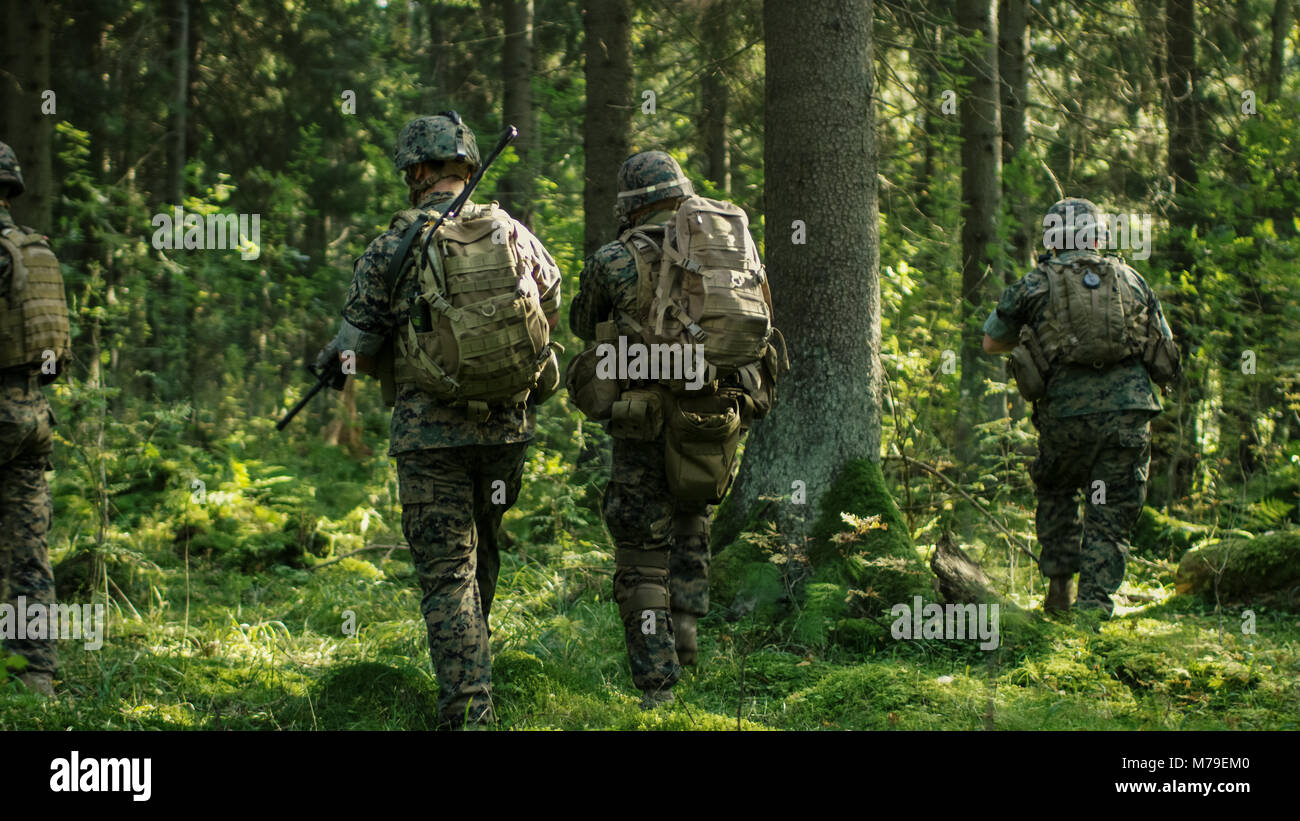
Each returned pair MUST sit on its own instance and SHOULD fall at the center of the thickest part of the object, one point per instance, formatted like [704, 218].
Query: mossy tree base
[1266, 565]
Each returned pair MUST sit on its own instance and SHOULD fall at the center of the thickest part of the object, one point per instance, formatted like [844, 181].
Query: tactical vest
[477, 335]
[34, 312]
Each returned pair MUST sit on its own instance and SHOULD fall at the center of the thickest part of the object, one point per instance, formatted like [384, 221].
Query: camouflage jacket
[1075, 390]
[608, 284]
[6, 221]
[419, 421]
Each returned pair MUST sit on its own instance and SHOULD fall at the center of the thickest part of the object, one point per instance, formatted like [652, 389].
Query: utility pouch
[593, 395]
[637, 415]
[548, 380]
[703, 435]
[1161, 358]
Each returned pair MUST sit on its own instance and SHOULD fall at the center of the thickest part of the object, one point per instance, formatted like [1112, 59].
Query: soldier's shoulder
[613, 256]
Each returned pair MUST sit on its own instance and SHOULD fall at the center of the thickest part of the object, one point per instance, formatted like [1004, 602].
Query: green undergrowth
[318, 639]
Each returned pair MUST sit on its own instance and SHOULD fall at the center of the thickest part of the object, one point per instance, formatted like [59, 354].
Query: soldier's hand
[329, 365]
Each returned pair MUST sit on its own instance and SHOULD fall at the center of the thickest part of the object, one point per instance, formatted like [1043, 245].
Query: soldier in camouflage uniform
[26, 432]
[1093, 426]
[662, 545]
[457, 475]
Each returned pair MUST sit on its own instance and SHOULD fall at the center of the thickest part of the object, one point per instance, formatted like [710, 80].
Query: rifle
[325, 377]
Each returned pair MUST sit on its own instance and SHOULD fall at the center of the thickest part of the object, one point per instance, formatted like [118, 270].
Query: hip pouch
[593, 394]
[1029, 367]
[638, 415]
[703, 435]
[1161, 357]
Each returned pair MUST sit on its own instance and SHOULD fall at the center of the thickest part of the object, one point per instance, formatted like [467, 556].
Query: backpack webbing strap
[399, 256]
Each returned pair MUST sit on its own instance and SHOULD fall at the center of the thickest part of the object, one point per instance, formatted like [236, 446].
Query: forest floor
[194, 643]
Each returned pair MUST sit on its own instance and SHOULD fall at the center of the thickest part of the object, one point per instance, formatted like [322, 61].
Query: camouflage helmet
[11, 173]
[646, 178]
[1074, 215]
[431, 139]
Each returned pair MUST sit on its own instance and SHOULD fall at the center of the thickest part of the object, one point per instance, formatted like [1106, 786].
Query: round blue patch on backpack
[1091, 280]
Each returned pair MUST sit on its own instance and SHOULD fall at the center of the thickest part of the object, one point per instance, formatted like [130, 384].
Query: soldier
[460, 459]
[33, 343]
[662, 540]
[1092, 394]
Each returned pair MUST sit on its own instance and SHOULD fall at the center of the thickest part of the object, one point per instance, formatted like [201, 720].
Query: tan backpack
[701, 282]
[477, 334]
[34, 314]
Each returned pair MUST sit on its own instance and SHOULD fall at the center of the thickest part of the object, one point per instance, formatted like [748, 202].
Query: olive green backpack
[34, 325]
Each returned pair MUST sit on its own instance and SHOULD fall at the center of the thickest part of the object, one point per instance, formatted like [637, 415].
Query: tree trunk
[608, 116]
[26, 128]
[981, 161]
[517, 107]
[820, 159]
[1280, 29]
[1013, 54]
[716, 40]
[180, 103]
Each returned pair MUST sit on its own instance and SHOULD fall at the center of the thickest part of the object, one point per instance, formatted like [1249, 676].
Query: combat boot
[684, 637]
[1058, 595]
[39, 683]
[651, 699]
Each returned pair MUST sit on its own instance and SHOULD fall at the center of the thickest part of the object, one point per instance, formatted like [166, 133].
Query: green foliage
[1243, 568]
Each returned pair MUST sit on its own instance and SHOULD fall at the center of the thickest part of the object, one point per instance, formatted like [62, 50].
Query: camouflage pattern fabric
[419, 421]
[11, 173]
[1076, 390]
[653, 170]
[639, 509]
[6, 221]
[26, 442]
[641, 514]
[608, 283]
[434, 139]
[451, 516]
[1073, 454]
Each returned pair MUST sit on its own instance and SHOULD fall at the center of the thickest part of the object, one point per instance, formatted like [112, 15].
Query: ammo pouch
[1161, 358]
[1029, 366]
[638, 415]
[594, 396]
[703, 434]
[774, 365]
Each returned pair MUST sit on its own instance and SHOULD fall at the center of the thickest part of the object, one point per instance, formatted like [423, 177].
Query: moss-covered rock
[1268, 564]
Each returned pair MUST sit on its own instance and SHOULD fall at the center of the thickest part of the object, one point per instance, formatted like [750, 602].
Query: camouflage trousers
[453, 500]
[661, 556]
[1106, 456]
[26, 442]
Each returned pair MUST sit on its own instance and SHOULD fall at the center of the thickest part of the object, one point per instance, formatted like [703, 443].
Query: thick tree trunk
[820, 177]
[716, 39]
[27, 129]
[609, 114]
[981, 173]
[517, 106]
